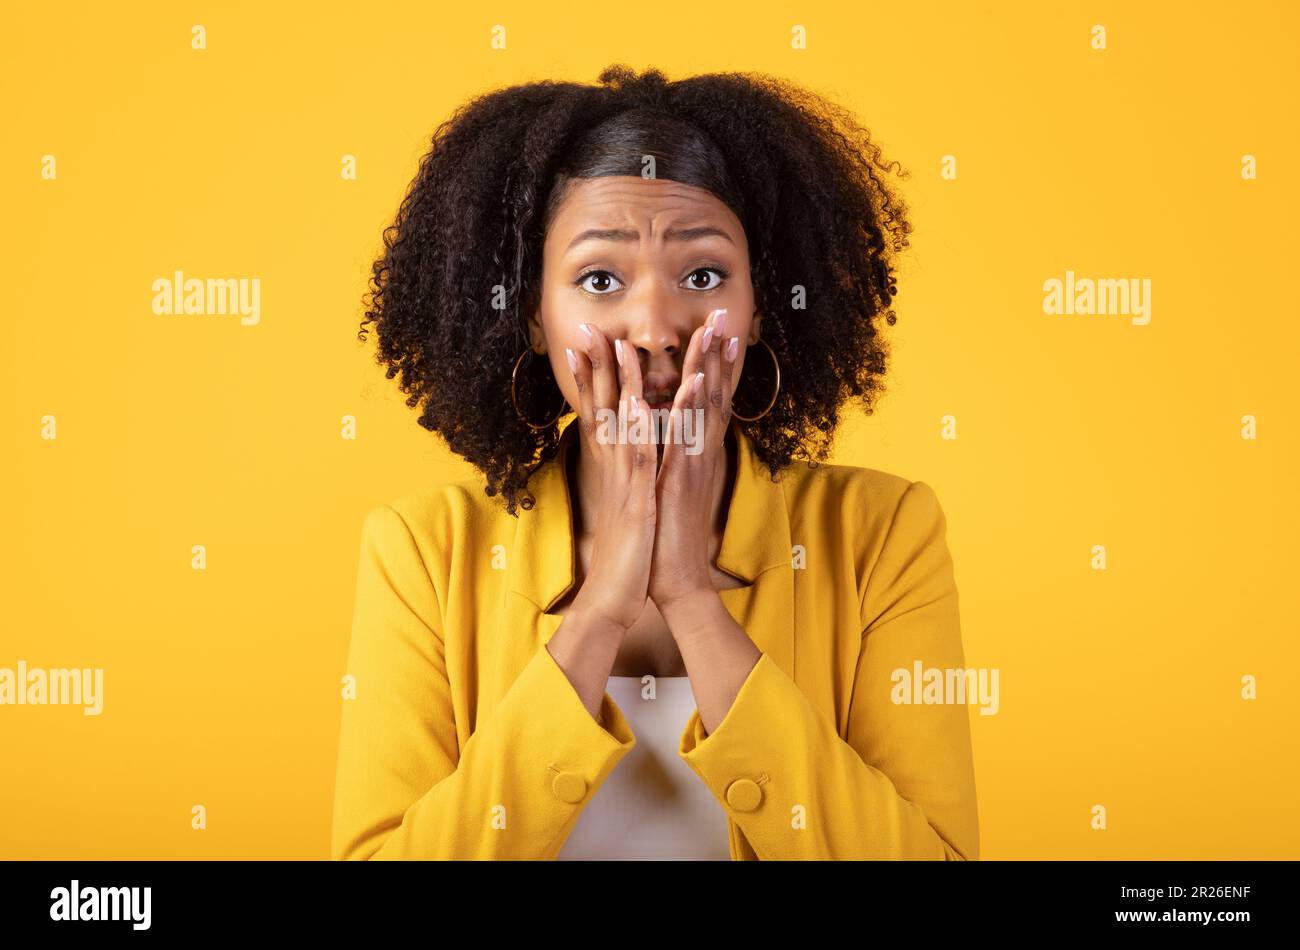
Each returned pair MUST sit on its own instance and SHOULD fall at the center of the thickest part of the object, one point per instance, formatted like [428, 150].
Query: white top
[652, 807]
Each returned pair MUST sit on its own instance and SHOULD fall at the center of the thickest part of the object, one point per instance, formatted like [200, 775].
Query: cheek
[568, 386]
[743, 348]
[564, 376]
[557, 338]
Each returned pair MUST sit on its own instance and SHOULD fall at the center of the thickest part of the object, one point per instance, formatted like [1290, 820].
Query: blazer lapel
[541, 564]
[756, 549]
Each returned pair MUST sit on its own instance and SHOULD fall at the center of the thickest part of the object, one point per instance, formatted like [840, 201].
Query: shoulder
[437, 519]
[892, 528]
[870, 500]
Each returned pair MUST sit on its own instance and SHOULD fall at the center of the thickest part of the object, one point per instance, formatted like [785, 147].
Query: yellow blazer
[465, 739]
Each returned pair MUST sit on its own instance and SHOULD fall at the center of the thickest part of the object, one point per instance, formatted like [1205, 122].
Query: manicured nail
[732, 348]
[618, 351]
[573, 360]
[708, 338]
[699, 381]
[635, 410]
[586, 331]
[718, 322]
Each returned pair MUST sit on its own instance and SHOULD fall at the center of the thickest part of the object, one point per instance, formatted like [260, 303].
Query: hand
[617, 581]
[685, 482]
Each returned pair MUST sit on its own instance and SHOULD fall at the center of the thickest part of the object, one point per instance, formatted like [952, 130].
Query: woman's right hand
[616, 585]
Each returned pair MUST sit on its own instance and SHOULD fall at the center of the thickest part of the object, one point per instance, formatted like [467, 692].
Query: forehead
[624, 199]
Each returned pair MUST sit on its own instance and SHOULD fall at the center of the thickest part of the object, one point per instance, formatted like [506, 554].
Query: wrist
[593, 618]
[690, 606]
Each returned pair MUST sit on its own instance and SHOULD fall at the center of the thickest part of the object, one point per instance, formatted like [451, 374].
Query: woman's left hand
[680, 563]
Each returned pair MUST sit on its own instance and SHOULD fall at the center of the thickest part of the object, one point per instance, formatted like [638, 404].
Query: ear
[536, 332]
[754, 328]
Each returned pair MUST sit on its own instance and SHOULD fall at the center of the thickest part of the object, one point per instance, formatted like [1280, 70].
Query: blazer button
[569, 787]
[744, 795]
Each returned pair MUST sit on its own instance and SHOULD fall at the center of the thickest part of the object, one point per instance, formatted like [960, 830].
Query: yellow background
[222, 687]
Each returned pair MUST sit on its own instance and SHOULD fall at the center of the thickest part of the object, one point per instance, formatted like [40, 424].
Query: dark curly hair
[461, 267]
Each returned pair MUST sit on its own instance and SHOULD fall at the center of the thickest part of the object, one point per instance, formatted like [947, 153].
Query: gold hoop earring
[514, 396]
[776, 365]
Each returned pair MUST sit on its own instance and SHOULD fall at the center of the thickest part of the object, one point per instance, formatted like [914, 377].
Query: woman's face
[646, 260]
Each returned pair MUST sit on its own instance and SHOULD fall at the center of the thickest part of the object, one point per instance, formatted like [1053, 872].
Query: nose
[659, 324]
[657, 331]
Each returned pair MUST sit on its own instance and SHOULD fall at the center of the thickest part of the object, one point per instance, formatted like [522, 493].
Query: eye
[603, 280]
[722, 273]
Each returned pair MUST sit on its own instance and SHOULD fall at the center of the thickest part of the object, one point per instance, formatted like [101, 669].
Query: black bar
[437, 899]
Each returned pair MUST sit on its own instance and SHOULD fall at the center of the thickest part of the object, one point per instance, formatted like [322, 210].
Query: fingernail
[573, 360]
[618, 351]
[708, 338]
[718, 322]
[732, 348]
[586, 331]
[635, 410]
[699, 381]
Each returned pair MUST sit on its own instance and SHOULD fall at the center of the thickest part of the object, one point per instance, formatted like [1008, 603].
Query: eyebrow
[672, 234]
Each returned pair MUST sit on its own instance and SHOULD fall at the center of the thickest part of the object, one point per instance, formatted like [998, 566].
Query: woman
[704, 607]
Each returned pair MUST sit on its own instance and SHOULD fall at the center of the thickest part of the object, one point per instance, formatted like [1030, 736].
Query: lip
[661, 384]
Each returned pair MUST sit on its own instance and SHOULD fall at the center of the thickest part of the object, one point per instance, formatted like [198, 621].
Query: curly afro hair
[461, 266]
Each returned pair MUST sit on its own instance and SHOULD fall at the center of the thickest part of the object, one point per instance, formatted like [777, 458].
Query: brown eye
[701, 279]
[597, 282]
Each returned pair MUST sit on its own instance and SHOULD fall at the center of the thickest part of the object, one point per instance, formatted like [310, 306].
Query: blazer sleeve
[404, 787]
[900, 784]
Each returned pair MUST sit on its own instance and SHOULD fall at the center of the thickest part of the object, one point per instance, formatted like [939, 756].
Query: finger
[683, 417]
[605, 384]
[713, 378]
[641, 501]
[622, 454]
[699, 399]
[580, 366]
[730, 357]
[630, 364]
[637, 421]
